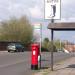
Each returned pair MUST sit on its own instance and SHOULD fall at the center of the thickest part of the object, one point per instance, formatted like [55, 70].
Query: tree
[59, 44]
[47, 45]
[17, 30]
[50, 47]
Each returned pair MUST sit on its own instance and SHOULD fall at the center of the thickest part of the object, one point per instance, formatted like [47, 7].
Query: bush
[44, 49]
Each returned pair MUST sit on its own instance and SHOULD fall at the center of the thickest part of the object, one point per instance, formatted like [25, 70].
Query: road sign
[37, 25]
[52, 9]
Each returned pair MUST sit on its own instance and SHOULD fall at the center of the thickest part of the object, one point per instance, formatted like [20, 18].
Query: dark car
[15, 47]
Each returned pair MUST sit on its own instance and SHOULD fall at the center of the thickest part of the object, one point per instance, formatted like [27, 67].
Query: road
[20, 63]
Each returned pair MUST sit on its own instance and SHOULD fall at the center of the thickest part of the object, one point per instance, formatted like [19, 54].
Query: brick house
[69, 47]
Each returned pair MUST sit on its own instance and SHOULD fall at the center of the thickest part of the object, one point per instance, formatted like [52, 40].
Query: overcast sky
[34, 9]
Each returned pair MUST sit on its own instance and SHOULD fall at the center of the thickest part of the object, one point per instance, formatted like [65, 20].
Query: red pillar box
[34, 58]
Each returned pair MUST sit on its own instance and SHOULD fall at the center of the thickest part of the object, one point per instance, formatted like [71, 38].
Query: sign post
[52, 21]
[52, 11]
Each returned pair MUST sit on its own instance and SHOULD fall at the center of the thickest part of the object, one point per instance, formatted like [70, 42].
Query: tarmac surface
[19, 63]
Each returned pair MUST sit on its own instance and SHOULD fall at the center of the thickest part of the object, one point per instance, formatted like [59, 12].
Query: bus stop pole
[52, 21]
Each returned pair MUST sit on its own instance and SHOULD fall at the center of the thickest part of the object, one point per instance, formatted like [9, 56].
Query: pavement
[66, 67]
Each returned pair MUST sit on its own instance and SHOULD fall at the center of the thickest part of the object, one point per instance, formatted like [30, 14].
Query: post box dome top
[62, 26]
[35, 44]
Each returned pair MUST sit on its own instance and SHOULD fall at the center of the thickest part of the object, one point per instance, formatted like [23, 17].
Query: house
[69, 47]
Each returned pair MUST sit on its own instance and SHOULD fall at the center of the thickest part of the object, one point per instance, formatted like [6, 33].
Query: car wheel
[22, 50]
[8, 51]
[16, 50]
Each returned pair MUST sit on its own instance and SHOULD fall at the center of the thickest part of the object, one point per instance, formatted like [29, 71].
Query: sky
[34, 10]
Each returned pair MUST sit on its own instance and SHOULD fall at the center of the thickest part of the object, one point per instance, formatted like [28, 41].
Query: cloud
[17, 9]
[67, 2]
[34, 9]
[67, 8]
[70, 19]
[36, 12]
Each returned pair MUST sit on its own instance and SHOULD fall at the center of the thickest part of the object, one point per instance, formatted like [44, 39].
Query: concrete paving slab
[66, 67]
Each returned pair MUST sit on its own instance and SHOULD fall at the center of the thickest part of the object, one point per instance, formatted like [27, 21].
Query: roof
[62, 26]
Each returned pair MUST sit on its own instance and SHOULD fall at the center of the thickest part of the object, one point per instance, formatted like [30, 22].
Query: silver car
[15, 47]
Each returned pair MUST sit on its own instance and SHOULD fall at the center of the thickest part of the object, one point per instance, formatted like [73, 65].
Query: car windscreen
[18, 45]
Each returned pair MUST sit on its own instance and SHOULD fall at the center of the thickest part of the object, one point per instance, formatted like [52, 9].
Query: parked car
[15, 47]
